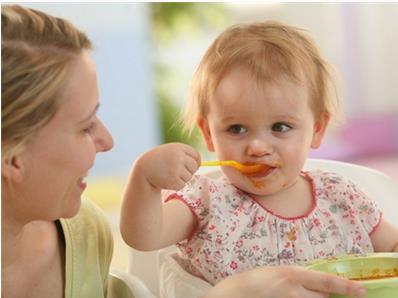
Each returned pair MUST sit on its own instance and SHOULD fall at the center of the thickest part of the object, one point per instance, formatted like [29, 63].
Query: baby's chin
[251, 186]
[255, 188]
[260, 193]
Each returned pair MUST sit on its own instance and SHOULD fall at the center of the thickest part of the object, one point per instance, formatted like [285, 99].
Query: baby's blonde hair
[37, 51]
[268, 50]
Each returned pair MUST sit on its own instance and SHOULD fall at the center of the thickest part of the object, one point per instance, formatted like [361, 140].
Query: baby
[262, 94]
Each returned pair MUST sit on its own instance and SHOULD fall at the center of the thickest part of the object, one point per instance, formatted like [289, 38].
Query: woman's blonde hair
[268, 50]
[37, 51]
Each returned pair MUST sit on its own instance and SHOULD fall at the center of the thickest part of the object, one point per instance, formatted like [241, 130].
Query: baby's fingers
[178, 180]
[186, 175]
[193, 153]
[175, 183]
[191, 166]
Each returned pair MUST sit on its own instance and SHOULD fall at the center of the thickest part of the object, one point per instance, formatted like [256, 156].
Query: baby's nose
[259, 147]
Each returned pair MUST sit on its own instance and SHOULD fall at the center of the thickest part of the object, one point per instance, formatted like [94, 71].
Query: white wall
[359, 39]
[120, 34]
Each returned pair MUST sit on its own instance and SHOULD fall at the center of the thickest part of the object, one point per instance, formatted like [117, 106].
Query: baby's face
[271, 124]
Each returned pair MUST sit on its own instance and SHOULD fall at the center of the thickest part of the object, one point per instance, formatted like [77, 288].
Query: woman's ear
[320, 126]
[205, 130]
[12, 169]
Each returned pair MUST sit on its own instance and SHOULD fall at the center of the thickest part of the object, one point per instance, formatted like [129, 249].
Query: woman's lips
[82, 184]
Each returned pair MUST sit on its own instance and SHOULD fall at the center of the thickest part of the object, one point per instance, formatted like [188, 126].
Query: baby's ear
[205, 130]
[320, 126]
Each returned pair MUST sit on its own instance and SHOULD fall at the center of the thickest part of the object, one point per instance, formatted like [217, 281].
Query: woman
[50, 136]
[53, 243]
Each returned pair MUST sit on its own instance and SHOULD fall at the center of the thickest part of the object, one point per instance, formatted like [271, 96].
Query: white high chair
[152, 267]
[122, 284]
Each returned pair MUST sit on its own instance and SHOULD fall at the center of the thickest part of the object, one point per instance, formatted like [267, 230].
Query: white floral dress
[235, 233]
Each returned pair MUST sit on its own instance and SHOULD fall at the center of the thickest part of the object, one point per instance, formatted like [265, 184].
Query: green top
[88, 252]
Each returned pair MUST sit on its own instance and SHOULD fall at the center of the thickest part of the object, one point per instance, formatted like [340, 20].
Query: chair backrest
[380, 187]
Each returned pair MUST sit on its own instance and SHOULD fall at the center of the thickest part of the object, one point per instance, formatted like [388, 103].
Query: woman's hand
[169, 166]
[283, 282]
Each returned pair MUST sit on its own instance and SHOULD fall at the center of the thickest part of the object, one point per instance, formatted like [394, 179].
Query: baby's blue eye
[237, 129]
[281, 127]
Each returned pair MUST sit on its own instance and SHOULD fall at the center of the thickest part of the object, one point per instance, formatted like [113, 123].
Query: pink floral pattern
[235, 233]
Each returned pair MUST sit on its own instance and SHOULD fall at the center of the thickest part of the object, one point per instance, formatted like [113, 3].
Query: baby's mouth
[266, 170]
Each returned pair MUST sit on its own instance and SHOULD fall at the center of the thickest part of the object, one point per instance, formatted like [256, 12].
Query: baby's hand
[169, 166]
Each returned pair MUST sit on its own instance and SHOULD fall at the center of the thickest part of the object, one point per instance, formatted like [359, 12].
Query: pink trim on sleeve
[177, 197]
[377, 224]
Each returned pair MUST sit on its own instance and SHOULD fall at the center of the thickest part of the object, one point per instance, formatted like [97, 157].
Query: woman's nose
[104, 139]
[259, 147]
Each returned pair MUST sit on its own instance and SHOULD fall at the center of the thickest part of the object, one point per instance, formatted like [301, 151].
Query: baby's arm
[146, 223]
[385, 237]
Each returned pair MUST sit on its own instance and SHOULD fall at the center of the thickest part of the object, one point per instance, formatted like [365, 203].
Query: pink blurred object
[369, 135]
[372, 134]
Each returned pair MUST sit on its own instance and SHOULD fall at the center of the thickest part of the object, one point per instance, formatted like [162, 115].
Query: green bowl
[377, 271]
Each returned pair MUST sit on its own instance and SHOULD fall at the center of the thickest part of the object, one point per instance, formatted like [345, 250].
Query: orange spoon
[246, 169]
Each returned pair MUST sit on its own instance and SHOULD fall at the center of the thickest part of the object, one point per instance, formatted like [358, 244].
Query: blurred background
[146, 54]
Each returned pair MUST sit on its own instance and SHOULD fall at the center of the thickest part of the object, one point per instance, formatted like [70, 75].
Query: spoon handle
[217, 163]
[210, 163]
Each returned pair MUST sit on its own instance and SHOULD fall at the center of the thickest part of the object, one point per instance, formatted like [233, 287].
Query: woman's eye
[237, 129]
[281, 127]
[89, 129]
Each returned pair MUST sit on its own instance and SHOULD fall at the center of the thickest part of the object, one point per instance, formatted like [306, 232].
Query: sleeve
[196, 196]
[365, 207]
[356, 202]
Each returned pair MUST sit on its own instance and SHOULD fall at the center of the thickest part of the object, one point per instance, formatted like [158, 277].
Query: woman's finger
[328, 283]
[312, 294]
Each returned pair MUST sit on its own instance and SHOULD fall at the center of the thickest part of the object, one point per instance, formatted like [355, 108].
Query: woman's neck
[24, 241]
[32, 252]
[12, 236]
[33, 259]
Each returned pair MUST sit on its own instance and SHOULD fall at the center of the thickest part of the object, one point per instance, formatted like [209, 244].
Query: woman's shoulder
[90, 212]
[92, 220]
[89, 249]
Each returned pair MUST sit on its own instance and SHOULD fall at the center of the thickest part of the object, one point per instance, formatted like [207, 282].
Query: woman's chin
[73, 209]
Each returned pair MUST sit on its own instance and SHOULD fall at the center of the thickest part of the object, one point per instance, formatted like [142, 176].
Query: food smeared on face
[253, 169]
[258, 184]
[262, 171]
